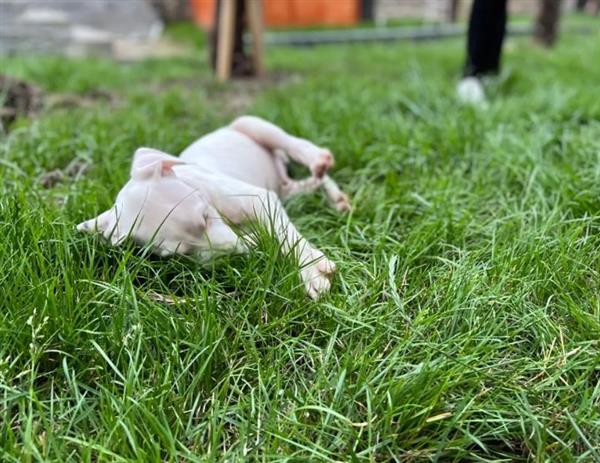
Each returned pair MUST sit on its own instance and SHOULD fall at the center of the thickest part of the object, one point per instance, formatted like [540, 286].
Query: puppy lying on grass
[238, 173]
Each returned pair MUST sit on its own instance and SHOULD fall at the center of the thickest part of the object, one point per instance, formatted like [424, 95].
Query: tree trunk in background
[546, 24]
[172, 10]
[453, 10]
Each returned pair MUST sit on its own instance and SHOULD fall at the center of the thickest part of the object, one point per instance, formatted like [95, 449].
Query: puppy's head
[154, 207]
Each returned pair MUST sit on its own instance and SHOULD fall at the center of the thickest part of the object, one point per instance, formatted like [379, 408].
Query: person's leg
[487, 27]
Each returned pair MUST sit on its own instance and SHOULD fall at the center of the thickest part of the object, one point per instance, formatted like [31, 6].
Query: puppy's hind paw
[322, 164]
[342, 203]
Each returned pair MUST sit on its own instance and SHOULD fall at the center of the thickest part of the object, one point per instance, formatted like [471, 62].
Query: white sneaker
[470, 91]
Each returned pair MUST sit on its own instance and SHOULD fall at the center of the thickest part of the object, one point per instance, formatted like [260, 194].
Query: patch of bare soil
[73, 171]
[237, 95]
[18, 98]
[86, 100]
[240, 94]
[130, 51]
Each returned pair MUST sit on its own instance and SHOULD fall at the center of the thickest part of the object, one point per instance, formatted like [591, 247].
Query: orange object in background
[310, 12]
[290, 12]
[203, 12]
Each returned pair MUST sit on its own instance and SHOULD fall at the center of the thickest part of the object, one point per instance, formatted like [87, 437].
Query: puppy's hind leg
[339, 199]
[317, 159]
[294, 187]
[264, 206]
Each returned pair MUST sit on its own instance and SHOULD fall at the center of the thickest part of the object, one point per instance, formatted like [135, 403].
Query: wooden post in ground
[229, 46]
[255, 21]
[225, 31]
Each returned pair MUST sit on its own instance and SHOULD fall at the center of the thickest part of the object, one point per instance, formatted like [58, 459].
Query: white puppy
[238, 173]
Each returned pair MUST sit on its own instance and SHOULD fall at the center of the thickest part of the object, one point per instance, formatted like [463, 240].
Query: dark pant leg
[487, 26]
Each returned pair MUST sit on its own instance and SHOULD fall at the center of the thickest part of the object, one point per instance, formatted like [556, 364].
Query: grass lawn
[464, 322]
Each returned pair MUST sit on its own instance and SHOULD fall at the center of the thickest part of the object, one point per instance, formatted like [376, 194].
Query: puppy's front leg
[315, 269]
[238, 201]
[221, 238]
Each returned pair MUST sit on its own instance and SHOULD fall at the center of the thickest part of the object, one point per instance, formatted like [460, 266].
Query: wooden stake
[255, 22]
[225, 39]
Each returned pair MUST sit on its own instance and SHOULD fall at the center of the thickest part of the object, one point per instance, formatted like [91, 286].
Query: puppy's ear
[149, 163]
[98, 224]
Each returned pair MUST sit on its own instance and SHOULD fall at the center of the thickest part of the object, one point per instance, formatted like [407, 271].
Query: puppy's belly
[231, 153]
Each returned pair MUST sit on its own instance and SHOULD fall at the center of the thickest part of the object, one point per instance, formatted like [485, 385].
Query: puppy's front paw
[317, 275]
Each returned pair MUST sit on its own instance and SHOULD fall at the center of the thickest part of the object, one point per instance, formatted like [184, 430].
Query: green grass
[463, 324]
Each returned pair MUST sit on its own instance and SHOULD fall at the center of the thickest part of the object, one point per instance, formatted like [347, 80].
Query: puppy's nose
[83, 226]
